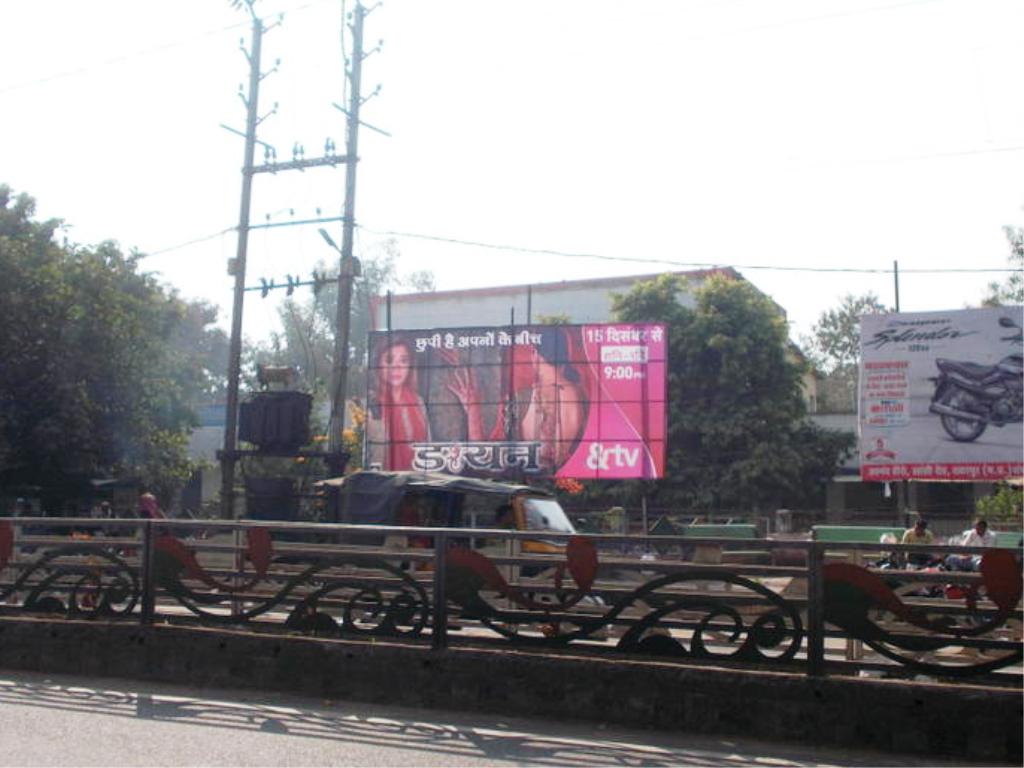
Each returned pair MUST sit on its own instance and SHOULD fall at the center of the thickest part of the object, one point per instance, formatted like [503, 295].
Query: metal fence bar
[148, 582]
[439, 630]
[815, 610]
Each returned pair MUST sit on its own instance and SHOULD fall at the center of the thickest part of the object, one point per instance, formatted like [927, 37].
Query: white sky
[795, 133]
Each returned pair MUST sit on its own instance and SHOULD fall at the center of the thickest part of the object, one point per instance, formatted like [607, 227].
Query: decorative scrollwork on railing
[369, 611]
[775, 633]
[852, 593]
[322, 602]
[77, 581]
[714, 626]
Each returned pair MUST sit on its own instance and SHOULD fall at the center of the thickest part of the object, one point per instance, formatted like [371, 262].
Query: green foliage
[737, 438]
[561, 318]
[95, 370]
[834, 349]
[1011, 291]
[306, 339]
[1002, 506]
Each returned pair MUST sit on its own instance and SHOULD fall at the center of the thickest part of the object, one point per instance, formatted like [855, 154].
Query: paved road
[60, 720]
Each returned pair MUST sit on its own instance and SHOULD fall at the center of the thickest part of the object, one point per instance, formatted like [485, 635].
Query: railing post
[148, 596]
[815, 610]
[439, 630]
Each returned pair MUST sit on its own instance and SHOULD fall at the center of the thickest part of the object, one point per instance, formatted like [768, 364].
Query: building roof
[561, 285]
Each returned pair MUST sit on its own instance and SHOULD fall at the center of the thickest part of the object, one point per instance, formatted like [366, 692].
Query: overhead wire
[124, 57]
[674, 262]
[621, 259]
[179, 246]
[119, 59]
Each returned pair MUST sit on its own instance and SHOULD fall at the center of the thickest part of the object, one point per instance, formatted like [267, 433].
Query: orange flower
[569, 485]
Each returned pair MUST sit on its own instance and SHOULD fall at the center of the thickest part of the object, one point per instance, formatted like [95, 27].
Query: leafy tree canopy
[98, 361]
[737, 436]
[834, 349]
[1011, 291]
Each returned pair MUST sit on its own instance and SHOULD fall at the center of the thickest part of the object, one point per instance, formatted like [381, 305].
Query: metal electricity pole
[227, 493]
[348, 267]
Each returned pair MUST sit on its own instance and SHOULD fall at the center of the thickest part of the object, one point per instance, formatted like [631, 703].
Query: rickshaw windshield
[545, 515]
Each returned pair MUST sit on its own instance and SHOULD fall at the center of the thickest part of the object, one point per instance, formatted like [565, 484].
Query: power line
[672, 262]
[117, 59]
[623, 259]
[138, 54]
[179, 246]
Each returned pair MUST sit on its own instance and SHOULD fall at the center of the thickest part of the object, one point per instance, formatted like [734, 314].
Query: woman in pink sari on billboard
[398, 415]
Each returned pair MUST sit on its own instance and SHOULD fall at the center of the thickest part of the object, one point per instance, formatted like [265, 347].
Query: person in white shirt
[977, 536]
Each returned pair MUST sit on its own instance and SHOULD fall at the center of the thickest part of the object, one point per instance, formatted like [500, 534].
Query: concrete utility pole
[348, 270]
[237, 269]
[349, 266]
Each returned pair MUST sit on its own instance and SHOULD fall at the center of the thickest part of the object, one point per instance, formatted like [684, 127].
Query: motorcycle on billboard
[970, 397]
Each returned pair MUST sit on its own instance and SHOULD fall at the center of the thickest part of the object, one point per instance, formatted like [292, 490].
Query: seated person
[919, 534]
[978, 536]
[504, 517]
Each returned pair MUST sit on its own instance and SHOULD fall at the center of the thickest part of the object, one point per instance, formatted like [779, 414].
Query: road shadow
[442, 738]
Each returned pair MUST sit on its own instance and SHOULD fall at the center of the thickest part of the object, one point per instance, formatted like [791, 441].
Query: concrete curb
[967, 721]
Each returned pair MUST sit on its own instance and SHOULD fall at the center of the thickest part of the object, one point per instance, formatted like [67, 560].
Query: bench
[1008, 539]
[855, 534]
[712, 553]
[719, 531]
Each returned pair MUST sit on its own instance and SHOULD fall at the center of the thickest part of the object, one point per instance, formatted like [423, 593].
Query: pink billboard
[572, 401]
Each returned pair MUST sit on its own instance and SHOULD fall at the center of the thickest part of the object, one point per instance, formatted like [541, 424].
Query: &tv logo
[612, 457]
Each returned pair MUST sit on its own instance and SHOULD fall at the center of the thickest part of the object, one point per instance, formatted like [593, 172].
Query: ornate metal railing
[819, 607]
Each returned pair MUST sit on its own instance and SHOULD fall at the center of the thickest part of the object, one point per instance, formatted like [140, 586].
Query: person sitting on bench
[978, 536]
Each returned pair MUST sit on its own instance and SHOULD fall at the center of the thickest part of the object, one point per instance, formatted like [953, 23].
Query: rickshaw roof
[397, 482]
[373, 497]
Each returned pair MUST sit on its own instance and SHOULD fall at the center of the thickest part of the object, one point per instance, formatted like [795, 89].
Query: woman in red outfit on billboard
[398, 415]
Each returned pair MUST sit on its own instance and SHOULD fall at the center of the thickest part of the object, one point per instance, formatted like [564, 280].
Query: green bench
[872, 534]
[726, 533]
[719, 531]
[854, 534]
[663, 526]
[1008, 539]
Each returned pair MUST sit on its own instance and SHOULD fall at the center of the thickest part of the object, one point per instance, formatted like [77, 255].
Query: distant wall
[961, 721]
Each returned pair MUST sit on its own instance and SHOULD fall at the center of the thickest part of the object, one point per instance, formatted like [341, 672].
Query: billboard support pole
[896, 281]
[901, 486]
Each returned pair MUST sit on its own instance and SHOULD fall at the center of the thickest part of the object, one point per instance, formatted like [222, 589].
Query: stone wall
[962, 721]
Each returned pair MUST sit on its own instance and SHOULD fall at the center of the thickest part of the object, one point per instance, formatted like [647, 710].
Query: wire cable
[674, 262]
[196, 241]
[138, 54]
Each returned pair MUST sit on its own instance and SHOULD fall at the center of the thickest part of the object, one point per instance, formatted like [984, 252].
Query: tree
[200, 353]
[737, 436]
[1004, 505]
[90, 380]
[306, 338]
[1012, 290]
[834, 349]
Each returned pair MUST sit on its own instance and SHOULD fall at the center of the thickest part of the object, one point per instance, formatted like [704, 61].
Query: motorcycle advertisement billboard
[940, 396]
[565, 401]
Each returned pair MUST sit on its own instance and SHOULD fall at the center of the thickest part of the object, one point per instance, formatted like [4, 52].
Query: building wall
[583, 301]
